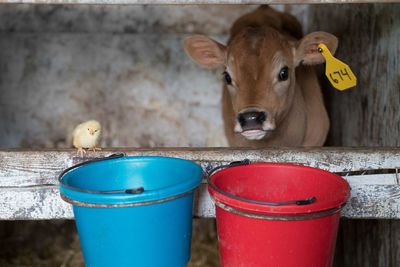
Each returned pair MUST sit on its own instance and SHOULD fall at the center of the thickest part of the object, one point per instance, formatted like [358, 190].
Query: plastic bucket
[133, 211]
[277, 214]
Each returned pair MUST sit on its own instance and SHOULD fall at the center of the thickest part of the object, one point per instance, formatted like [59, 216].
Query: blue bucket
[133, 211]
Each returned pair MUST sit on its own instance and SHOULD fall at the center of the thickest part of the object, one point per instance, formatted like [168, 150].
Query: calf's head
[259, 74]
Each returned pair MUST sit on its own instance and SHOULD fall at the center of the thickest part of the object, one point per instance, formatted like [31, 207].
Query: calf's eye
[227, 77]
[284, 74]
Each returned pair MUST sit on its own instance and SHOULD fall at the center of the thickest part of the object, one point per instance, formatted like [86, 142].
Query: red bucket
[277, 214]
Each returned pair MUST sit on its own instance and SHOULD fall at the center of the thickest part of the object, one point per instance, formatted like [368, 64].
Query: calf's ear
[205, 51]
[306, 51]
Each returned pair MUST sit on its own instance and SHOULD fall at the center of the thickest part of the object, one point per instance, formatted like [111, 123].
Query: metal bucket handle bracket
[248, 162]
[112, 156]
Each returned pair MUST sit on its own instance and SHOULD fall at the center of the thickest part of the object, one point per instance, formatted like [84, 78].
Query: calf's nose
[251, 120]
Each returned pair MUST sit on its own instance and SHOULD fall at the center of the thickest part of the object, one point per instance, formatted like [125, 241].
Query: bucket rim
[284, 208]
[126, 205]
[123, 197]
[277, 217]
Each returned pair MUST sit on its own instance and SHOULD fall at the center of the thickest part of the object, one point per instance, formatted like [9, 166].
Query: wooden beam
[29, 186]
[191, 2]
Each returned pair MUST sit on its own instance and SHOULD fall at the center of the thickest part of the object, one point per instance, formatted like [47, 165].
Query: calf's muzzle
[251, 120]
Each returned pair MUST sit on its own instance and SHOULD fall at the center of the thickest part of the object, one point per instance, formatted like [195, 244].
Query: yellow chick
[87, 135]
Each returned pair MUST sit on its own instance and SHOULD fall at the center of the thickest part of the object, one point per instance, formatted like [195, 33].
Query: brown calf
[271, 95]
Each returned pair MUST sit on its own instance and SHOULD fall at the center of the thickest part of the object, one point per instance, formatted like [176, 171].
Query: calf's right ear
[205, 51]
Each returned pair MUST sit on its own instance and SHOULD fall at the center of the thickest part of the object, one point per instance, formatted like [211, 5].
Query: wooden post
[367, 115]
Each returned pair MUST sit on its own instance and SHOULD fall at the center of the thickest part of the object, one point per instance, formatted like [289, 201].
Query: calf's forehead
[255, 49]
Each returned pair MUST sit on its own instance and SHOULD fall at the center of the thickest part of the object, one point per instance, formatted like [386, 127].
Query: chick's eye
[284, 74]
[227, 77]
[88, 129]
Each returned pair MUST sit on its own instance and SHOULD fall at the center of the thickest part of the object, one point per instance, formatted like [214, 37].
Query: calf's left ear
[306, 51]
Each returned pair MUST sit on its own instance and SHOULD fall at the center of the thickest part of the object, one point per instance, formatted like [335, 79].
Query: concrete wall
[122, 65]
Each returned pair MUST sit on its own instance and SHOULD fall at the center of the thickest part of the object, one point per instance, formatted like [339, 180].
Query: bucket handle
[112, 156]
[248, 162]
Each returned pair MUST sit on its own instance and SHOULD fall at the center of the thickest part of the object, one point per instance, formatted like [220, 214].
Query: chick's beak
[91, 132]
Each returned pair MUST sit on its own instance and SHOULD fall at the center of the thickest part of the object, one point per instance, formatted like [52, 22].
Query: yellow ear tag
[338, 73]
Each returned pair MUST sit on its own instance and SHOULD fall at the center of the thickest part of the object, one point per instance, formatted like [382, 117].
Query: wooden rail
[191, 2]
[29, 186]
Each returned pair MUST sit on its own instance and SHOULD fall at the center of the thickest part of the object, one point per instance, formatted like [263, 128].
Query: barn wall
[369, 41]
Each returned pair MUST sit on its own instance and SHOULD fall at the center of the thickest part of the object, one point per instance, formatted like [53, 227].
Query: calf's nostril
[241, 119]
[261, 117]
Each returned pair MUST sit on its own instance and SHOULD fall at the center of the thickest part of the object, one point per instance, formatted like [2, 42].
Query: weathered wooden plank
[190, 2]
[368, 243]
[376, 179]
[366, 201]
[33, 203]
[373, 202]
[44, 202]
[28, 168]
[29, 187]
